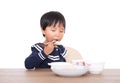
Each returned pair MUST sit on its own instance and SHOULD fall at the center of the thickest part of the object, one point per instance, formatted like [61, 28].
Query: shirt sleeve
[41, 54]
[35, 58]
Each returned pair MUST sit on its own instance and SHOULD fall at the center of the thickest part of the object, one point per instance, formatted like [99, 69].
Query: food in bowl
[79, 62]
[68, 69]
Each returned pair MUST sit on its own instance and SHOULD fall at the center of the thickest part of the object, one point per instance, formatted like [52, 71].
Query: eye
[53, 30]
[61, 31]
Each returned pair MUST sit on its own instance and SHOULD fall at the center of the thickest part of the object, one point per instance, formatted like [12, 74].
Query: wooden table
[47, 76]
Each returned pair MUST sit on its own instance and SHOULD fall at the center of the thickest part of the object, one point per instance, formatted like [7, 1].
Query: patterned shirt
[38, 59]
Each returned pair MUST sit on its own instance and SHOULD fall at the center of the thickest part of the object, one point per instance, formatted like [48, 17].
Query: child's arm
[35, 59]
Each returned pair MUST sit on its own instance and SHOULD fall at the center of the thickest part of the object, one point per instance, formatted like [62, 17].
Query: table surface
[47, 76]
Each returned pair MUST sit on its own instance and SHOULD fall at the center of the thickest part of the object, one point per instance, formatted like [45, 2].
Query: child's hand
[49, 47]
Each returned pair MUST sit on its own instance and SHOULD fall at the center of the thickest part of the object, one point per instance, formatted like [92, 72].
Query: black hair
[52, 18]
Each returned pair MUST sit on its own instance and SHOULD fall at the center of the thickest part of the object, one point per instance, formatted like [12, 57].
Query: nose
[57, 35]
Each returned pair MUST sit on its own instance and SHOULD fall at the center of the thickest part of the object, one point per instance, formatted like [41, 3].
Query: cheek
[61, 36]
[49, 36]
[48, 33]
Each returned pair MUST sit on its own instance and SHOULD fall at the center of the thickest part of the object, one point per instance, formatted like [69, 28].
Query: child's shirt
[38, 59]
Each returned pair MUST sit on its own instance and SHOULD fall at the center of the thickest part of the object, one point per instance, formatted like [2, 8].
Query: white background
[93, 28]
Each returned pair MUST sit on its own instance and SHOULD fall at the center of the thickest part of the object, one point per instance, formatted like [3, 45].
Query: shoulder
[37, 46]
[62, 49]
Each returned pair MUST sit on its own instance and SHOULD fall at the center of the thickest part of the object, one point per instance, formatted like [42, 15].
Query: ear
[43, 32]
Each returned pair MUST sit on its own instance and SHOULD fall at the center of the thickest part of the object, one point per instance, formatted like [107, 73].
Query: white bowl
[68, 69]
[96, 67]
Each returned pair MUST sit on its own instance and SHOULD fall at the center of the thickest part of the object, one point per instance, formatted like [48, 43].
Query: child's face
[54, 32]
